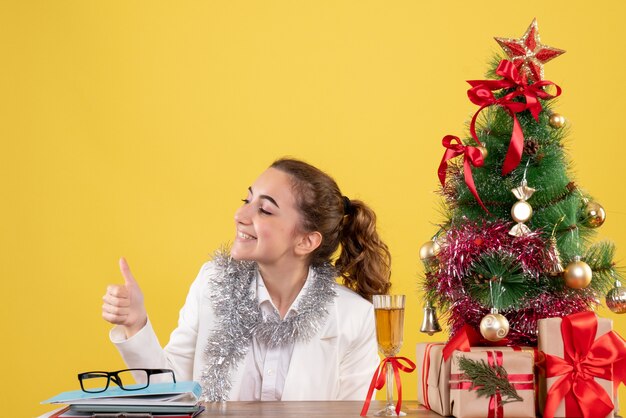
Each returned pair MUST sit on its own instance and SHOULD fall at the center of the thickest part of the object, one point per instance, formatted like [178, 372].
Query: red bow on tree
[471, 155]
[584, 359]
[482, 95]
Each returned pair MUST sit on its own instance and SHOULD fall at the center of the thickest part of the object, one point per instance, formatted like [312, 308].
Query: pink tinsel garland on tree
[463, 245]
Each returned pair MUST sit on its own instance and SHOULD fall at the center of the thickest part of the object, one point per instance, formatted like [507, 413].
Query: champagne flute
[389, 310]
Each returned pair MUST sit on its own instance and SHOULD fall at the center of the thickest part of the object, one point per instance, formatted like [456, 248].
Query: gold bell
[430, 324]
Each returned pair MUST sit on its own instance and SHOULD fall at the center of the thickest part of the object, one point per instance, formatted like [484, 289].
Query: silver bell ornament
[430, 324]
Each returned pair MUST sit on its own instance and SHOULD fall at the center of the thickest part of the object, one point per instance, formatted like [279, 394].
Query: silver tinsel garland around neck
[239, 319]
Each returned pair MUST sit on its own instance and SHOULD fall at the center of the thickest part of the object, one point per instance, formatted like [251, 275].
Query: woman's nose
[242, 215]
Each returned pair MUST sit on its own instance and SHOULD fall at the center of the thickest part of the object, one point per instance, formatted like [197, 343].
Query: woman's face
[267, 223]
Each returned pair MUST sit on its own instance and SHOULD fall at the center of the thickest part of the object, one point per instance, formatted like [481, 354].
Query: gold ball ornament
[483, 152]
[616, 298]
[577, 274]
[594, 215]
[429, 250]
[494, 326]
[557, 121]
[521, 211]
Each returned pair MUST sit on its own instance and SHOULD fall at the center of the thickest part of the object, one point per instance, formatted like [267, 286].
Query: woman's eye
[263, 211]
[245, 201]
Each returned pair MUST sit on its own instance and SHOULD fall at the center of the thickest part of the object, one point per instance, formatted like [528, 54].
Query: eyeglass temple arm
[158, 371]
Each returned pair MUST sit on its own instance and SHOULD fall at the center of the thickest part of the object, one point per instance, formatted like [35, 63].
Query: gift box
[433, 389]
[465, 401]
[432, 378]
[579, 351]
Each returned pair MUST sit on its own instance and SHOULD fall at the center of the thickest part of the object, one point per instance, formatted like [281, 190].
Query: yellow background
[134, 127]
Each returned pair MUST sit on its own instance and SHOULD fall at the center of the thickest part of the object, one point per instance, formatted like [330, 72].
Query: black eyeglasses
[95, 382]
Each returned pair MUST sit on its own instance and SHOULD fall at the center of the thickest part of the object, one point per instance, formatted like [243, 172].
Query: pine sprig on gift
[487, 380]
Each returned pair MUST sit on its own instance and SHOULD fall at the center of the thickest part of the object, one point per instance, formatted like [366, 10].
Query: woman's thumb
[129, 279]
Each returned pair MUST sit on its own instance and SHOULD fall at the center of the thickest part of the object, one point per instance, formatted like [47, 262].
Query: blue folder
[180, 393]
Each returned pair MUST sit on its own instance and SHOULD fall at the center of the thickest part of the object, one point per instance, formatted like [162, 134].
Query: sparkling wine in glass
[389, 310]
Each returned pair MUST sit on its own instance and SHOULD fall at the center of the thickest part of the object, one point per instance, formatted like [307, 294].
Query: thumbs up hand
[123, 304]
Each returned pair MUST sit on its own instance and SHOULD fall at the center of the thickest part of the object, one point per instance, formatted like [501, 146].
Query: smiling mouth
[244, 236]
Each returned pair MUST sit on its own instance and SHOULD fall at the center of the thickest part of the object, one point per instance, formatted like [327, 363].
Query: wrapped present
[580, 350]
[433, 389]
[499, 383]
[432, 378]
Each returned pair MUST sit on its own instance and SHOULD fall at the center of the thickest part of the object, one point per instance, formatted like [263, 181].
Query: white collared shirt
[265, 370]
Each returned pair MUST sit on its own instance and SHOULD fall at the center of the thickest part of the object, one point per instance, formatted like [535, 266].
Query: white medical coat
[336, 364]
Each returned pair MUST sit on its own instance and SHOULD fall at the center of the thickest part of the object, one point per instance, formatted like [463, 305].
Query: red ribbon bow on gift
[619, 371]
[379, 379]
[585, 358]
[471, 156]
[462, 340]
[466, 338]
[482, 95]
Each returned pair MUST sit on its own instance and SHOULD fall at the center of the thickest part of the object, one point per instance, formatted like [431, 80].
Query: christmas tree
[517, 243]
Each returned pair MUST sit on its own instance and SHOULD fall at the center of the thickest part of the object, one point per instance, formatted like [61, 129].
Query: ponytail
[364, 262]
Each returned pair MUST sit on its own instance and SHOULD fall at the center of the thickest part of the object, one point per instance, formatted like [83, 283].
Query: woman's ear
[308, 243]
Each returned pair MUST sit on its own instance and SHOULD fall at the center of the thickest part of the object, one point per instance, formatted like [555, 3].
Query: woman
[268, 321]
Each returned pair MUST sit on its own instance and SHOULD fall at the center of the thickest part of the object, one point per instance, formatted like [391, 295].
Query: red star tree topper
[528, 54]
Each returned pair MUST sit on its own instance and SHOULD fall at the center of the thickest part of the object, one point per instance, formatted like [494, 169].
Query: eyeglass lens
[94, 381]
[130, 379]
[125, 379]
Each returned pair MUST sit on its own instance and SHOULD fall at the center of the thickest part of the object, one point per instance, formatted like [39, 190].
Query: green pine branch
[599, 257]
[487, 380]
[497, 280]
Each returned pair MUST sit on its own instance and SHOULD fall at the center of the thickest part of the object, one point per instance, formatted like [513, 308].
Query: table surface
[303, 409]
[308, 409]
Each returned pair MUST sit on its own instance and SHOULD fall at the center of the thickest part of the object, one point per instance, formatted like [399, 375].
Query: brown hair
[364, 262]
